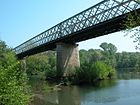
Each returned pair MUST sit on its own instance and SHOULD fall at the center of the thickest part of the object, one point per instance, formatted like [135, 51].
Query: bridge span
[101, 19]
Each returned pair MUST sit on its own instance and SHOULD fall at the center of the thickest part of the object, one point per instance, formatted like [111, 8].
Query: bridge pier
[67, 59]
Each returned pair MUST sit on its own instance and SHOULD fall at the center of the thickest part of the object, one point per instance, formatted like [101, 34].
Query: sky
[21, 20]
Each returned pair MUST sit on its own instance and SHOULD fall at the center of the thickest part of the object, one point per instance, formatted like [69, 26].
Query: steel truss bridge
[103, 18]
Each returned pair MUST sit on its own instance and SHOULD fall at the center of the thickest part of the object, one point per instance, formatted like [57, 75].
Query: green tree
[109, 52]
[102, 71]
[36, 64]
[104, 46]
[42, 65]
[109, 48]
[128, 61]
[83, 74]
[13, 82]
[132, 25]
[83, 56]
[94, 55]
[88, 73]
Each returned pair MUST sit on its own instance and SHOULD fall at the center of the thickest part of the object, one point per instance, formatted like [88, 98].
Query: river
[107, 92]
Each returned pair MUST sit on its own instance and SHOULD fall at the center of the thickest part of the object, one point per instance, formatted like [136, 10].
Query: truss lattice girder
[101, 12]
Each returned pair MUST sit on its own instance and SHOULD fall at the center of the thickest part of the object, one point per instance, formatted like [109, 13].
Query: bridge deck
[103, 18]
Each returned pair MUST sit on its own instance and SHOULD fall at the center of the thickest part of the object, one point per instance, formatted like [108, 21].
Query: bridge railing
[98, 13]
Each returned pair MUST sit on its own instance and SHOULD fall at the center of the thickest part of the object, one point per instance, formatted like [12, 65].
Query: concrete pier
[67, 59]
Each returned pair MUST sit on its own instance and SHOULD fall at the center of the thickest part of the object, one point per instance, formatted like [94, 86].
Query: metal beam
[101, 12]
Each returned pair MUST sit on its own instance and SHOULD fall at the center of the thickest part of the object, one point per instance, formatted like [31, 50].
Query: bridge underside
[103, 28]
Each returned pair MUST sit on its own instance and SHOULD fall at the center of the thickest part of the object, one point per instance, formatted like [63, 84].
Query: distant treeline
[123, 62]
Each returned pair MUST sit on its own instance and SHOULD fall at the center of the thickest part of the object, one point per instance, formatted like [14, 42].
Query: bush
[42, 64]
[102, 70]
[50, 72]
[13, 82]
[13, 87]
[90, 73]
[37, 64]
[83, 74]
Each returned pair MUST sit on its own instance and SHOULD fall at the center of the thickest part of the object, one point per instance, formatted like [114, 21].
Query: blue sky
[23, 19]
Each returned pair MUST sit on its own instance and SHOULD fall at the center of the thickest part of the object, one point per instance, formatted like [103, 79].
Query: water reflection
[67, 96]
[99, 93]
[105, 84]
[75, 95]
[129, 75]
[108, 92]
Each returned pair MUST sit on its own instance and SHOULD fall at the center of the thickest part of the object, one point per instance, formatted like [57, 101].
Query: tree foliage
[132, 25]
[36, 64]
[124, 61]
[127, 61]
[13, 82]
[43, 64]
[109, 53]
[97, 71]
[102, 70]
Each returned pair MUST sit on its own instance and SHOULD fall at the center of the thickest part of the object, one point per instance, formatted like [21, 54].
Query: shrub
[82, 74]
[13, 87]
[50, 72]
[90, 73]
[36, 64]
[13, 82]
[102, 70]
[42, 65]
